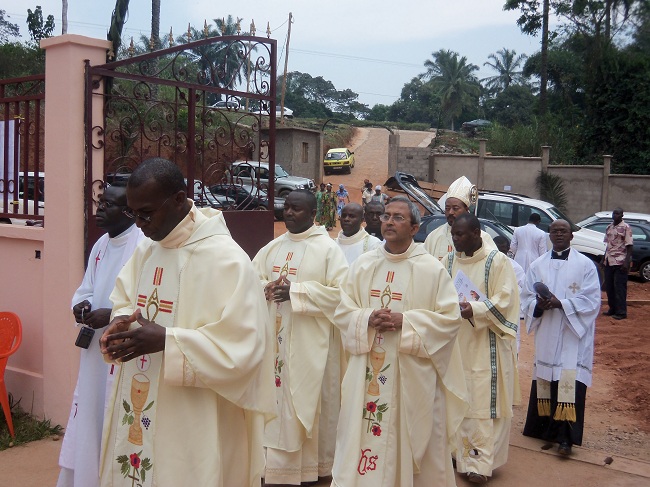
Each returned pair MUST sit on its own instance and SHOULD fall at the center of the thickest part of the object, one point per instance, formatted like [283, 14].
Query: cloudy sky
[372, 47]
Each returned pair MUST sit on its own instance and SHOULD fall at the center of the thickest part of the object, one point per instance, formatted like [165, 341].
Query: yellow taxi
[340, 159]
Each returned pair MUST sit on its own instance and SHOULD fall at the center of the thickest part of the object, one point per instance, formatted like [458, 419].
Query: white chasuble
[194, 413]
[439, 243]
[359, 243]
[488, 347]
[403, 394]
[314, 265]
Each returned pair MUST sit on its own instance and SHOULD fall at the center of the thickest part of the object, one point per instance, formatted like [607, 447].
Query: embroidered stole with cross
[133, 460]
[381, 388]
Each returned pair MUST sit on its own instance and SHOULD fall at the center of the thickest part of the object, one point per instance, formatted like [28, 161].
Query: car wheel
[279, 215]
[5, 220]
[348, 170]
[644, 271]
[284, 193]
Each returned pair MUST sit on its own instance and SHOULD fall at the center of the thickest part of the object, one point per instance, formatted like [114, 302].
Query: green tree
[39, 28]
[508, 67]
[453, 78]
[7, 29]
[512, 106]
[19, 59]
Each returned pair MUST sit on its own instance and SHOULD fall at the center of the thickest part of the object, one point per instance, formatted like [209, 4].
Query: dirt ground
[617, 425]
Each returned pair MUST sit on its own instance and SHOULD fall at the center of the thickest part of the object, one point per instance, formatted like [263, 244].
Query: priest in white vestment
[562, 315]
[487, 342]
[503, 245]
[460, 195]
[300, 272]
[91, 306]
[403, 391]
[352, 239]
[529, 242]
[195, 385]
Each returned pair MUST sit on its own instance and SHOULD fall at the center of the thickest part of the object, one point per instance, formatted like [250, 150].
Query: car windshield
[558, 215]
[280, 172]
[337, 156]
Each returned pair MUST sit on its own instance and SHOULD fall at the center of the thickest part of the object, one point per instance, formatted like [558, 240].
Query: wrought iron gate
[201, 105]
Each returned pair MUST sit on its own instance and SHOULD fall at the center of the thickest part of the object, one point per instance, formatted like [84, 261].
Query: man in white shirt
[528, 242]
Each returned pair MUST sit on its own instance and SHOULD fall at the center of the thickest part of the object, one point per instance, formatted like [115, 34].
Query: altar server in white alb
[91, 306]
[300, 272]
[404, 393]
[189, 326]
[460, 196]
[528, 242]
[562, 315]
[352, 239]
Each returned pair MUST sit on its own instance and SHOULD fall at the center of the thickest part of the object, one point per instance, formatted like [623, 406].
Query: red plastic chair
[11, 334]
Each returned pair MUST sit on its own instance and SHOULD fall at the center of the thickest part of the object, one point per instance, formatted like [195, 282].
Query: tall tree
[531, 21]
[454, 79]
[39, 28]
[7, 29]
[508, 67]
[155, 23]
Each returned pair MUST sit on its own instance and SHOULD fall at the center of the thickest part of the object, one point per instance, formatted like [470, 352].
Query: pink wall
[46, 366]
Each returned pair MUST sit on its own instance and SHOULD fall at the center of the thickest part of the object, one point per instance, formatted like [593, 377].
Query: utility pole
[286, 64]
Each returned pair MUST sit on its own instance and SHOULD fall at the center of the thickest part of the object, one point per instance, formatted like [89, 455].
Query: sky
[372, 47]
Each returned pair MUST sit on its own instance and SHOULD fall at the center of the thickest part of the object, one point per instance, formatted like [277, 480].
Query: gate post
[63, 264]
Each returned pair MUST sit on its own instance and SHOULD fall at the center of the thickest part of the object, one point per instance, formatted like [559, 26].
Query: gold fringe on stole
[543, 407]
[564, 411]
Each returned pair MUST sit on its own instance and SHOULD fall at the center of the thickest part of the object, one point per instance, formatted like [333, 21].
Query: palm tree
[508, 67]
[221, 62]
[453, 78]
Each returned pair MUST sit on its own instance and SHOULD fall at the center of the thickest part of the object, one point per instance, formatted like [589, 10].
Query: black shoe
[608, 313]
[564, 448]
[619, 317]
[476, 478]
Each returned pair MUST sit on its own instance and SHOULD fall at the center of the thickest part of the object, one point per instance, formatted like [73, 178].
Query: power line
[358, 58]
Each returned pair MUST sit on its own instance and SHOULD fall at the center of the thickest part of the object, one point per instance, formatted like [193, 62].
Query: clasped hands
[120, 344]
[85, 315]
[278, 290]
[383, 320]
[548, 303]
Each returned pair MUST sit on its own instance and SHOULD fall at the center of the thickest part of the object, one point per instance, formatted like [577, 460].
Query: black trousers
[616, 289]
[546, 428]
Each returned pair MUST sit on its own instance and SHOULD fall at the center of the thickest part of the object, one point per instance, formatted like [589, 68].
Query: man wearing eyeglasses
[79, 458]
[188, 326]
[562, 314]
[403, 393]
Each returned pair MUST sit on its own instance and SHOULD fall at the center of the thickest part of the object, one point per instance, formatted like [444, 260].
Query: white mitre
[464, 190]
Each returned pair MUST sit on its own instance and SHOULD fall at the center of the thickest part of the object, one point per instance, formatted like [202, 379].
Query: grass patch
[26, 427]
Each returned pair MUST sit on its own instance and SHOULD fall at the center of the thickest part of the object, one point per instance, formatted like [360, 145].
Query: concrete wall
[415, 161]
[588, 188]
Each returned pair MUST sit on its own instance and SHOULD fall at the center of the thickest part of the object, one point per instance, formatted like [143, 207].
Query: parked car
[431, 222]
[27, 188]
[248, 197]
[226, 105]
[475, 126]
[606, 216]
[434, 216]
[640, 252]
[514, 210]
[288, 112]
[340, 159]
[284, 183]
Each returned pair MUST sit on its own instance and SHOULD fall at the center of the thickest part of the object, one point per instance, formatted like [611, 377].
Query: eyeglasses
[107, 205]
[396, 218]
[145, 218]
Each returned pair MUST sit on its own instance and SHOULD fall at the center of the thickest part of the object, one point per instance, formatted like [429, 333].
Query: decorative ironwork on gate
[201, 105]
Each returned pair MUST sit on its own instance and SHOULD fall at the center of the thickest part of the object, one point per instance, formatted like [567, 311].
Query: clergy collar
[398, 257]
[562, 255]
[357, 237]
[181, 232]
[118, 239]
[297, 237]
